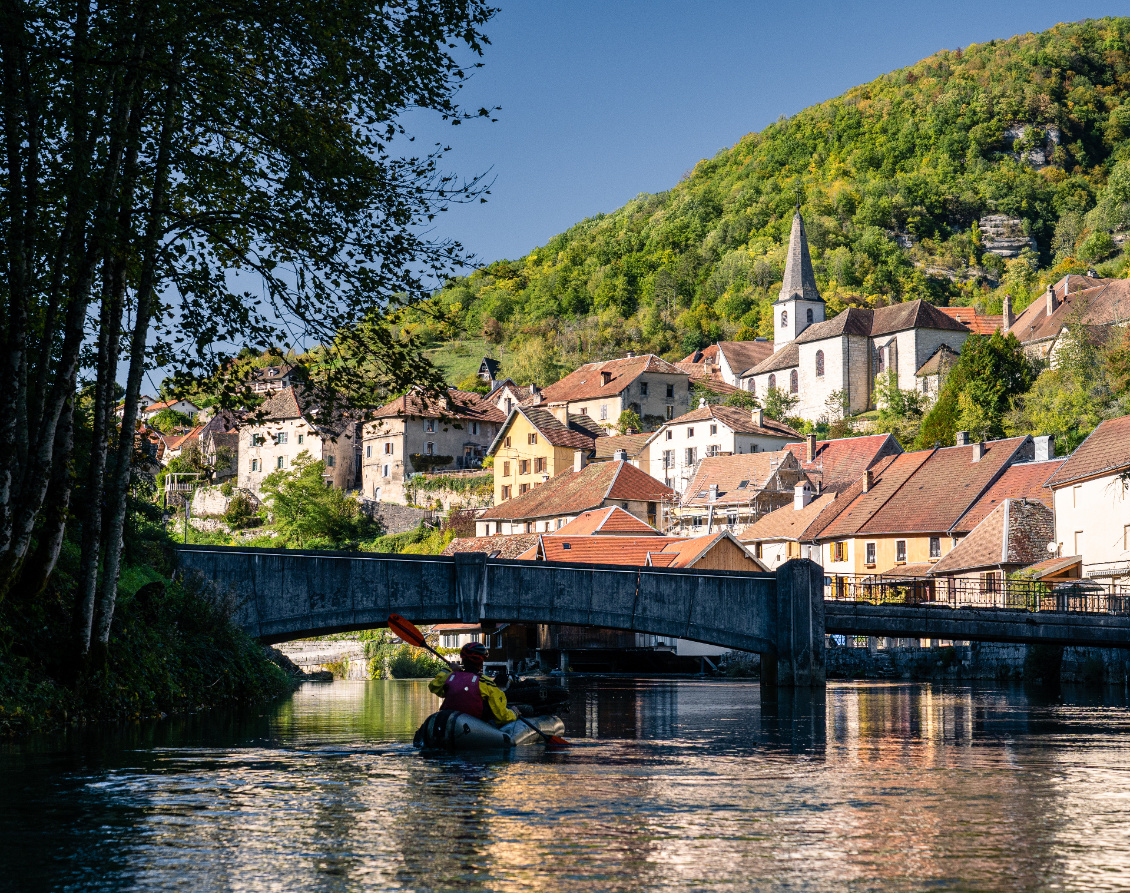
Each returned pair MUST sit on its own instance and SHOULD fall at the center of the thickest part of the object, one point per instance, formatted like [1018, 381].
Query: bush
[241, 512]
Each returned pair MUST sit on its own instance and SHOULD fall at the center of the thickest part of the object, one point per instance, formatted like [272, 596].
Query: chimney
[1007, 318]
[1051, 300]
[605, 378]
[802, 496]
[868, 480]
[620, 456]
[961, 438]
[631, 353]
[811, 448]
[578, 460]
[713, 492]
[560, 412]
[978, 450]
[1092, 273]
[758, 418]
[1045, 447]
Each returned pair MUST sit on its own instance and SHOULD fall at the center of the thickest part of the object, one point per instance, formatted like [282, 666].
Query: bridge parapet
[288, 594]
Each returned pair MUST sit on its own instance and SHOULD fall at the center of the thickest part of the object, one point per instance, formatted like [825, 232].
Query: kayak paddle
[408, 632]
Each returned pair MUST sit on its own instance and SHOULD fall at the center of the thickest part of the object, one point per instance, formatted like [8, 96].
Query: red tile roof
[508, 546]
[1024, 480]
[978, 323]
[633, 444]
[1105, 451]
[573, 492]
[609, 521]
[889, 473]
[743, 355]
[1079, 299]
[658, 551]
[787, 522]
[1016, 532]
[738, 420]
[755, 470]
[456, 405]
[714, 384]
[837, 464]
[586, 383]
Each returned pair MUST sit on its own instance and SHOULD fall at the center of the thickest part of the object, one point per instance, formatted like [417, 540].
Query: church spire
[800, 283]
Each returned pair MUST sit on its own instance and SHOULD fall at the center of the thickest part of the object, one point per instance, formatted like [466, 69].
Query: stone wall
[395, 518]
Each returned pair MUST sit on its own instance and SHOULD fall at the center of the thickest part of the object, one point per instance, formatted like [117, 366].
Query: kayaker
[469, 691]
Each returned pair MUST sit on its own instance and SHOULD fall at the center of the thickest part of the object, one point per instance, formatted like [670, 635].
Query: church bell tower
[799, 305]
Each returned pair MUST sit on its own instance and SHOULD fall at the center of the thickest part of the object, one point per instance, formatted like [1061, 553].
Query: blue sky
[604, 100]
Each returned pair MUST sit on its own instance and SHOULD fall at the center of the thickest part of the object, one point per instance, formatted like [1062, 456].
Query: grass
[458, 359]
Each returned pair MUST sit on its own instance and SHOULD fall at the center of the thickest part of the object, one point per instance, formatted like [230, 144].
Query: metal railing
[1081, 596]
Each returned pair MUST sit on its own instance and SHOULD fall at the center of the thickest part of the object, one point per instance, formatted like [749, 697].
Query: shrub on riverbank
[173, 649]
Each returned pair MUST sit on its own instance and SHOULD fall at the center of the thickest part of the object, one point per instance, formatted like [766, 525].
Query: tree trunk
[39, 568]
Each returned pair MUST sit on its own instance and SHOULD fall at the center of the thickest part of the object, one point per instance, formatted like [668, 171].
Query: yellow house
[535, 444]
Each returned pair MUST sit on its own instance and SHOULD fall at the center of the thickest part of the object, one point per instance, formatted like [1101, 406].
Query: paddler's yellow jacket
[494, 699]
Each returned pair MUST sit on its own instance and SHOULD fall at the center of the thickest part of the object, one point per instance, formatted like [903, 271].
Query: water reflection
[677, 785]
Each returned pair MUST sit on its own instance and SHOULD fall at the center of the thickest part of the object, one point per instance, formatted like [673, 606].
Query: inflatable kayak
[452, 730]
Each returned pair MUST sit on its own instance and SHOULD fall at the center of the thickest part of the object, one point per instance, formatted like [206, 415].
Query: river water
[673, 785]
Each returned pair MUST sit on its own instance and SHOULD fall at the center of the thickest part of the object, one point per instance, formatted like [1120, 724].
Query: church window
[819, 364]
[784, 318]
[882, 364]
[753, 386]
[794, 382]
[772, 382]
[808, 314]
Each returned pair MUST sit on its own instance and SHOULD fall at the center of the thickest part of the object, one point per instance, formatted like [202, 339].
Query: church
[826, 363]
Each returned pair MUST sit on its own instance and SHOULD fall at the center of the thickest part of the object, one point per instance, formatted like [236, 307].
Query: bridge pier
[798, 661]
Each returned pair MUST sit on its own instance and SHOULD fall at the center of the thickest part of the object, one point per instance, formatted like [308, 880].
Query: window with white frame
[603, 411]
[713, 429]
[869, 553]
[388, 448]
[429, 426]
[281, 437]
[900, 550]
[668, 458]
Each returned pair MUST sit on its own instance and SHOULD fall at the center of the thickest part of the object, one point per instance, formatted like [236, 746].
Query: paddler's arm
[437, 684]
[496, 701]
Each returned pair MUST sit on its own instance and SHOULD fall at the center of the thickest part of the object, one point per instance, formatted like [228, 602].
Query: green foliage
[424, 464]
[241, 512]
[900, 412]
[468, 485]
[309, 514]
[390, 660]
[168, 420]
[925, 151]
[779, 404]
[474, 384]
[741, 399]
[422, 540]
[629, 421]
[990, 373]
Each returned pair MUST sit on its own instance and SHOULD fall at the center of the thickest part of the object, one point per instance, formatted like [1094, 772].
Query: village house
[731, 492]
[420, 433]
[506, 395]
[535, 443]
[1099, 305]
[186, 407]
[548, 506]
[627, 447]
[727, 361]
[489, 368]
[834, 465]
[675, 450]
[284, 427]
[219, 445]
[143, 401]
[829, 364]
[647, 385]
[272, 378]
[1092, 503]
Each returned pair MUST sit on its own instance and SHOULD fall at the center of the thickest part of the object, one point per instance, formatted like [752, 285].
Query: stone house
[535, 444]
[283, 428]
[933, 373]
[548, 506]
[1097, 304]
[731, 492]
[421, 433]
[675, 450]
[649, 386]
[1091, 496]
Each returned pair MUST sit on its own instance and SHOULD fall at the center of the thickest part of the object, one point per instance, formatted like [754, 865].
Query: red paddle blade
[558, 741]
[406, 630]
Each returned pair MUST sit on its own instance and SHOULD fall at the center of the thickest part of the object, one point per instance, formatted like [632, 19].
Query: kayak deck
[452, 730]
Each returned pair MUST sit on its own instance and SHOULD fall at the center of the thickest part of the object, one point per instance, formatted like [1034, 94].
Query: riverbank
[173, 650]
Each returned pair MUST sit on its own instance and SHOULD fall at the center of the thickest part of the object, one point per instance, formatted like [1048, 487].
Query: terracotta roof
[634, 551]
[941, 361]
[585, 383]
[1023, 480]
[166, 404]
[889, 473]
[1016, 532]
[581, 433]
[912, 315]
[715, 385]
[1106, 450]
[837, 464]
[508, 546]
[1095, 302]
[606, 447]
[1053, 567]
[787, 523]
[921, 569]
[785, 358]
[978, 323]
[743, 355]
[458, 405]
[703, 363]
[573, 492]
[613, 521]
[754, 470]
[177, 441]
[738, 420]
[281, 404]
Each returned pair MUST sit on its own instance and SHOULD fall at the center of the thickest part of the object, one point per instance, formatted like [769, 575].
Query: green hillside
[892, 176]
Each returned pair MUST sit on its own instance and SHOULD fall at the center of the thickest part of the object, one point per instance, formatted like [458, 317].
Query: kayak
[452, 730]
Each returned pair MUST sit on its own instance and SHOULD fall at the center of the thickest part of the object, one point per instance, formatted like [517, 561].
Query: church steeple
[800, 283]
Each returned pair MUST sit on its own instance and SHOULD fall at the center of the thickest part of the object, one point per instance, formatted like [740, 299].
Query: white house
[1092, 503]
[675, 450]
[186, 407]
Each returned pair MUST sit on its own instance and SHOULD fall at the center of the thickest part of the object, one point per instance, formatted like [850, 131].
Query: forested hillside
[892, 177]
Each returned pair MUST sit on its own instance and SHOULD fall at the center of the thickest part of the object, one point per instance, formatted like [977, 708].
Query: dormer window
[605, 378]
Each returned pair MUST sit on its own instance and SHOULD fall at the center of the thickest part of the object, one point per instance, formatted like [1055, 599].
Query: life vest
[461, 692]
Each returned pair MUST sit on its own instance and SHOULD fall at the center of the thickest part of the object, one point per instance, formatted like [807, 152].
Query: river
[673, 785]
